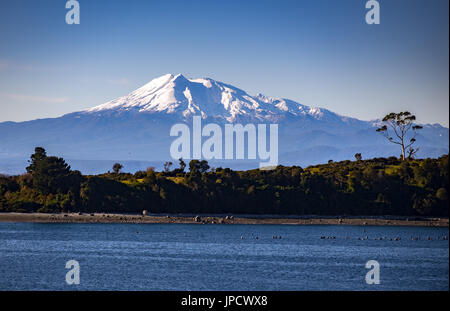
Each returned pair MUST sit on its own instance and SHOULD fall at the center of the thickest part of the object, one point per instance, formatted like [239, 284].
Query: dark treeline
[381, 186]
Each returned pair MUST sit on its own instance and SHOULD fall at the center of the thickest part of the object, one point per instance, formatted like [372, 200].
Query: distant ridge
[135, 127]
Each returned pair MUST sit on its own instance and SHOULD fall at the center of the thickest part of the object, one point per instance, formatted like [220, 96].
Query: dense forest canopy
[381, 186]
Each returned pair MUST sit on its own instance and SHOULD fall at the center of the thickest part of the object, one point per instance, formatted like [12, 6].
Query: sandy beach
[220, 219]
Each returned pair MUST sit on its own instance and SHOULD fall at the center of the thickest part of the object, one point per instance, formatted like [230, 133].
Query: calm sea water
[220, 257]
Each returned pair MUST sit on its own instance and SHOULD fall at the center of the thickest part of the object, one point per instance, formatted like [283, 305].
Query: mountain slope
[177, 95]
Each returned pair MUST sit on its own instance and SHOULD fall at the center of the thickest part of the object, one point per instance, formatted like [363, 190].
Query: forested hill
[381, 186]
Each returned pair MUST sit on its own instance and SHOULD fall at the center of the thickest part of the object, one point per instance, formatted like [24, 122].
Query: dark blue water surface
[220, 257]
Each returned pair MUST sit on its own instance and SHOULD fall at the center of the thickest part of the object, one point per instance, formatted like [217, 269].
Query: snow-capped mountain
[182, 97]
[134, 129]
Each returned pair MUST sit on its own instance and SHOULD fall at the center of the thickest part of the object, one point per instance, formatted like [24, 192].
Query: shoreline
[223, 219]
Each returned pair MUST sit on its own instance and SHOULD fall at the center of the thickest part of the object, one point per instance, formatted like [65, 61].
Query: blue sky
[318, 52]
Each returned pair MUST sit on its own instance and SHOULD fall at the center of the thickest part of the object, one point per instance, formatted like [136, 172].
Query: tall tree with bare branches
[396, 128]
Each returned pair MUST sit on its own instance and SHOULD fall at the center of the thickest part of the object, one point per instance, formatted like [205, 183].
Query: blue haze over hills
[134, 129]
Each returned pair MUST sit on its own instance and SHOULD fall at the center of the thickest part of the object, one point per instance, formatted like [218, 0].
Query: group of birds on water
[413, 238]
[275, 237]
[323, 237]
[397, 238]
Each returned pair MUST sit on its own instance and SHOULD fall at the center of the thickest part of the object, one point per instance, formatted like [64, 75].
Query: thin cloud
[37, 99]
[35, 67]
[3, 64]
[41, 68]
[122, 81]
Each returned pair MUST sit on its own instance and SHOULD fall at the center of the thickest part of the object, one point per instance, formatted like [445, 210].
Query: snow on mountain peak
[176, 94]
